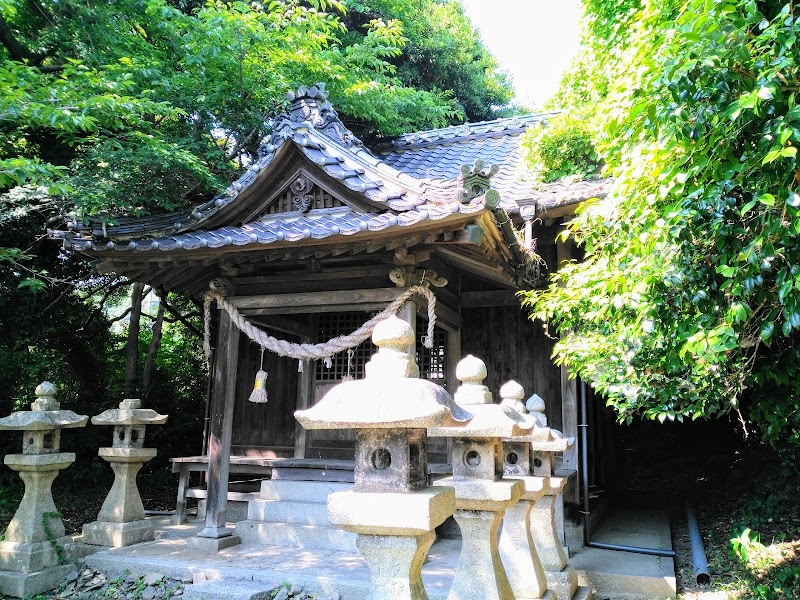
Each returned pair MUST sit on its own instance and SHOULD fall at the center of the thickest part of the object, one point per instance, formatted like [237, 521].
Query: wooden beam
[219, 442]
[296, 310]
[358, 272]
[285, 325]
[316, 300]
[305, 386]
[477, 267]
[489, 298]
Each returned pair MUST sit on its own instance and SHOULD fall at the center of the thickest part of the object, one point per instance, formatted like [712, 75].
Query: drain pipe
[699, 561]
[584, 451]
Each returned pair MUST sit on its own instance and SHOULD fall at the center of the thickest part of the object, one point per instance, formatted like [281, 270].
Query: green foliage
[140, 106]
[137, 106]
[562, 148]
[688, 301]
[48, 516]
[744, 544]
[442, 53]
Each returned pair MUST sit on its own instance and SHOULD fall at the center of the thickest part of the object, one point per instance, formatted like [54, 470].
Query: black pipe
[699, 560]
[584, 450]
[636, 549]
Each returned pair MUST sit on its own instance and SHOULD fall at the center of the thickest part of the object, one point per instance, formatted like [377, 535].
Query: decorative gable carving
[302, 195]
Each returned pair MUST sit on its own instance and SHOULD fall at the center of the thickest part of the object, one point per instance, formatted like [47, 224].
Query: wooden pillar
[408, 313]
[219, 442]
[452, 356]
[569, 387]
[305, 384]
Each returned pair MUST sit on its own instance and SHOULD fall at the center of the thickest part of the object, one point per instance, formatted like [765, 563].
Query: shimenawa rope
[313, 351]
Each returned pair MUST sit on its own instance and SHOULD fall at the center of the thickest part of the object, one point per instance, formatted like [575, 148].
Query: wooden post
[408, 313]
[219, 442]
[304, 385]
[569, 388]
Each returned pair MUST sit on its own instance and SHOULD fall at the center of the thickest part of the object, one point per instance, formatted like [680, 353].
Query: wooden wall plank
[271, 424]
[513, 347]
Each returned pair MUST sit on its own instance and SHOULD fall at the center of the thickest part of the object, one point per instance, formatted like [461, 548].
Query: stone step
[229, 589]
[288, 511]
[294, 535]
[301, 491]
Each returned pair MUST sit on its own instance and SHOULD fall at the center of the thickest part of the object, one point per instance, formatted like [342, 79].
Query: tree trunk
[132, 355]
[155, 343]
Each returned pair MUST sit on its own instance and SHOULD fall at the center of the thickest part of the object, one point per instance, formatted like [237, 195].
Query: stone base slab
[391, 513]
[31, 557]
[480, 494]
[116, 535]
[209, 544]
[24, 585]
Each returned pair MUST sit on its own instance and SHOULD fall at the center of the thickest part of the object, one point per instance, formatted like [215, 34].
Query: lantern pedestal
[35, 537]
[480, 506]
[561, 578]
[121, 521]
[395, 532]
[517, 549]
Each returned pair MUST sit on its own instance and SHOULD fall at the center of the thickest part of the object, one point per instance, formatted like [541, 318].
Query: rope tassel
[259, 394]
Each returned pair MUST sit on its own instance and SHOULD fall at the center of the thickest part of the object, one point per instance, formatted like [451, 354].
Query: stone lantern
[545, 521]
[121, 521]
[35, 549]
[482, 494]
[517, 547]
[391, 508]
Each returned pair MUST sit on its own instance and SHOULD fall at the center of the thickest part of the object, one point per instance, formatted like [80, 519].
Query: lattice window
[332, 325]
[432, 363]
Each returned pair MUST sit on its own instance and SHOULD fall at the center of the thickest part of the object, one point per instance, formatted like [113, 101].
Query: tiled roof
[439, 153]
[289, 227]
[314, 127]
[416, 177]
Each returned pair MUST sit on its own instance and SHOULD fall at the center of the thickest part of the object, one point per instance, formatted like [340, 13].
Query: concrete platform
[626, 575]
[238, 572]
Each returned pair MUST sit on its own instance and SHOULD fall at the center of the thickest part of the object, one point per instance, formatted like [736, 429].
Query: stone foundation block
[116, 535]
[24, 585]
[31, 557]
[211, 544]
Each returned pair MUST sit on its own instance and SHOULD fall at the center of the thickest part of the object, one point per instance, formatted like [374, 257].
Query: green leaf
[767, 199]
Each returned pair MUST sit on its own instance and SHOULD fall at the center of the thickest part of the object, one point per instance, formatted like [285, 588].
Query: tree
[687, 303]
[128, 107]
[443, 52]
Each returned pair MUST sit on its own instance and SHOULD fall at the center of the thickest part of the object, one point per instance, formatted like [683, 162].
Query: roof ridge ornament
[309, 109]
[475, 180]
